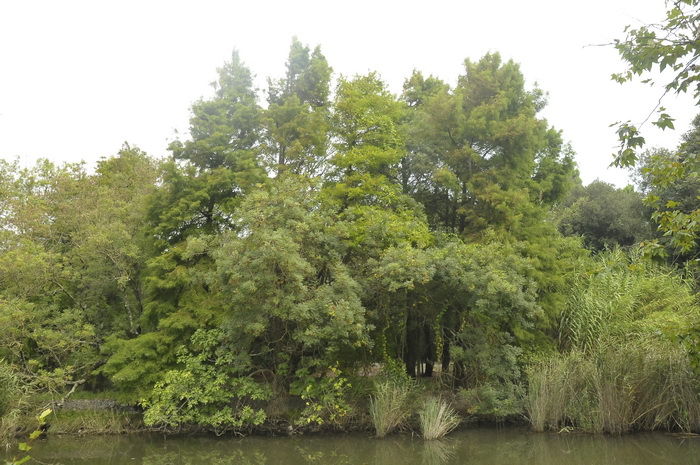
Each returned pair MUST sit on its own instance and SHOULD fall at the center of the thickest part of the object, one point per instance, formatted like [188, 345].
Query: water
[511, 446]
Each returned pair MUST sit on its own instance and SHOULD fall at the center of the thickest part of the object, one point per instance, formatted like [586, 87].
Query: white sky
[78, 78]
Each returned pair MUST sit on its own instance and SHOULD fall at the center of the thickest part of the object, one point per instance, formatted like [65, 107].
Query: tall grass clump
[615, 390]
[437, 418]
[559, 393]
[389, 406]
[10, 389]
[667, 391]
[624, 297]
[621, 365]
[13, 394]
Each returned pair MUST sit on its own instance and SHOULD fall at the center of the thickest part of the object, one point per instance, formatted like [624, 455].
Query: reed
[11, 390]
[622, 368]
[14, 404]
[437, 418]
[389, 406]
[625, 299]
[641, 385]
[559, 393]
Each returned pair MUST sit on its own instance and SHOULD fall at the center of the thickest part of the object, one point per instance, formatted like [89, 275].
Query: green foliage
[365, 124]
[477, 139]
[494, 308]
[230, 275]
[485, 167]
[135, 365]
[224, 129]
[71, 261]
[46, 342]
[671, 45]
[208, 391]
[324, 395]
[556, 173]
[668, 45]
[291, 302]
[605, 217]
[297, 118]
[497, 401]
[192, 206]
[670, 182]
[626, 297]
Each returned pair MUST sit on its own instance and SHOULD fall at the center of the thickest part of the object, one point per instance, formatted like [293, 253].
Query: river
[484, 446]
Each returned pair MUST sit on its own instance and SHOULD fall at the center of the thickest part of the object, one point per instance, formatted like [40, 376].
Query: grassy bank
[94, 422]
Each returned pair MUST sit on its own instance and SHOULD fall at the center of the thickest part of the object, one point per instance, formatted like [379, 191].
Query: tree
[219, 162]
[196, 201]
[670, 45]
[224, 130]
[478, 139]
[496, 304]
[367, 142]
[420, 172]
[297, 117]
[71, 261]
[292, 306]
[670, 182]
[362, 182]
[606, 217]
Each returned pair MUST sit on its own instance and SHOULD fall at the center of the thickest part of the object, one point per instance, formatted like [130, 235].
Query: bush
[495, 401]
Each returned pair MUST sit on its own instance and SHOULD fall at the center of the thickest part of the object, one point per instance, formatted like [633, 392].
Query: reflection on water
[471, 446]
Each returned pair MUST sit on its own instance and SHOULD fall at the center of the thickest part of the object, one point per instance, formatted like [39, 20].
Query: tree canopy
[292, 244]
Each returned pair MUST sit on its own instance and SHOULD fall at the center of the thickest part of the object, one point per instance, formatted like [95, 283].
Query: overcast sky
[78, 78]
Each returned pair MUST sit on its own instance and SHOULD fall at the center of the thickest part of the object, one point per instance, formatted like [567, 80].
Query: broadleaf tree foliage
[670, 46]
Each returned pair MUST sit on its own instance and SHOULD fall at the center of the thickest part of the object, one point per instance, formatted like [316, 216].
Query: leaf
[44, 414]
[664, 122]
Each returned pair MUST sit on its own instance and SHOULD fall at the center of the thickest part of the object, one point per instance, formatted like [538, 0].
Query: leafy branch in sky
[671, 45]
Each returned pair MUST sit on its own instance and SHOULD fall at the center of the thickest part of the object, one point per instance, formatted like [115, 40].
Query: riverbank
[101, 416]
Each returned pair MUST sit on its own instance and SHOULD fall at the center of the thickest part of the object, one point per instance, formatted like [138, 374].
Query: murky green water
[509, 446]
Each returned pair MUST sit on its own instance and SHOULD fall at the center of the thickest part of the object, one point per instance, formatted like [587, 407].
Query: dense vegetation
[336, 242]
